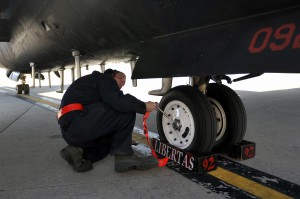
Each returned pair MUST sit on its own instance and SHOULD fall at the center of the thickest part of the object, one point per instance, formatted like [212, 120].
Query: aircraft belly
[268, 43]
[45, 32]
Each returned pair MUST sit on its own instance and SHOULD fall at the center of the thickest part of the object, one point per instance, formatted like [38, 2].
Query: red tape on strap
[68, 108]
[161, 161]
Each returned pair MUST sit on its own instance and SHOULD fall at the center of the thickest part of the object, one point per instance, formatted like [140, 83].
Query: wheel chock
[243, 151]
[195, 163]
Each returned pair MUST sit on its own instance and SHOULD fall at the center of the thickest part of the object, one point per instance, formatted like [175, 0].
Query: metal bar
[76, 55]
[73, 74]
[32, 73]
[49, 77]
[165, 114]
[39, 75]
[61, 72]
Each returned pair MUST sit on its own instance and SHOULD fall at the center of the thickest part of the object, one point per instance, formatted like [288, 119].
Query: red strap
[68, 108]
[163, 161]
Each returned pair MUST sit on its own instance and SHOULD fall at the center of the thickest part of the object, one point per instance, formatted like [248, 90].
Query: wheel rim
[220, 117]
[179, 127]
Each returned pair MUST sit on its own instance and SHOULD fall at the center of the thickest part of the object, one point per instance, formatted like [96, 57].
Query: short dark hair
[110, 72]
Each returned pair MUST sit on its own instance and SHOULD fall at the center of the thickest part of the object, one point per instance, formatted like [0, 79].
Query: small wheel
[26, 89]
[230, 115]
[19, 89]
[190, 124]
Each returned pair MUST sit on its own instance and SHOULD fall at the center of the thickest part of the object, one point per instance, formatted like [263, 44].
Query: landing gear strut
[202, 118]
[23, 87]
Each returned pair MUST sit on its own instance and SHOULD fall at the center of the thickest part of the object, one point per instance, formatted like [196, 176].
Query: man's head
[118, 76]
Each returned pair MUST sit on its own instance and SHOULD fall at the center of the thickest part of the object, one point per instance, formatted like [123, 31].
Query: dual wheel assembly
[202, 123]
[22, 87]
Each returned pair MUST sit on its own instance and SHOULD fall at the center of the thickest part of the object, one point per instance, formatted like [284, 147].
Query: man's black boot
[125, 163]
[73, 155]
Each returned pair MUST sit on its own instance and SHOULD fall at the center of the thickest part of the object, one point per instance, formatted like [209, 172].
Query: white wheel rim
[179, 127]
[220, 117]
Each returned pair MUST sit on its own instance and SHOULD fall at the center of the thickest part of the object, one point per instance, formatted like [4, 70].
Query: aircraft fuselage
[45, 32]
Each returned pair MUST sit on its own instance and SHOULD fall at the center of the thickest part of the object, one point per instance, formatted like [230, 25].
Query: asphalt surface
[32, 168]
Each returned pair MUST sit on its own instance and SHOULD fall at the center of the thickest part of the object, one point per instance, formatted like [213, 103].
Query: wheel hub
[176, 124]
[179, 127]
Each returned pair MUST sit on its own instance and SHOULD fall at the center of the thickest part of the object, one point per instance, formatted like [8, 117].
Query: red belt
[68, 108]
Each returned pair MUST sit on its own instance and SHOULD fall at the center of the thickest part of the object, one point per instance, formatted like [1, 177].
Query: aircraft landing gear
[191, 124]
[202, 121]
[23, 87]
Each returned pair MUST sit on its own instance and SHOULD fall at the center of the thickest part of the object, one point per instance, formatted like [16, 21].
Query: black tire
[19, 89]
[235, 116]
[26, 89]
[198, 131]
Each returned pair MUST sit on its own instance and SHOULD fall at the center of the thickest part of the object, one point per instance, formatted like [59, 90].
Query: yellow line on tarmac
[40, 100]
[33, 98]
[139, 138]
[236, 180]
[246, 184]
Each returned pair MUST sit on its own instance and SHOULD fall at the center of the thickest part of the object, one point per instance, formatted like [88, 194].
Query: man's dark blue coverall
[106, 123]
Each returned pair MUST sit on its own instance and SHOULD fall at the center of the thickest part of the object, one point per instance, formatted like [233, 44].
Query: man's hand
[151, 106]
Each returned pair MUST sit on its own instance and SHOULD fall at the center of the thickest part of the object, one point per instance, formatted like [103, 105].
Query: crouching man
[97, 119]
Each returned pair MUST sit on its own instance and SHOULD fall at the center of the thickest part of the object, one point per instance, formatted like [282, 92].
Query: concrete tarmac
[31, 167]
[274, 125]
